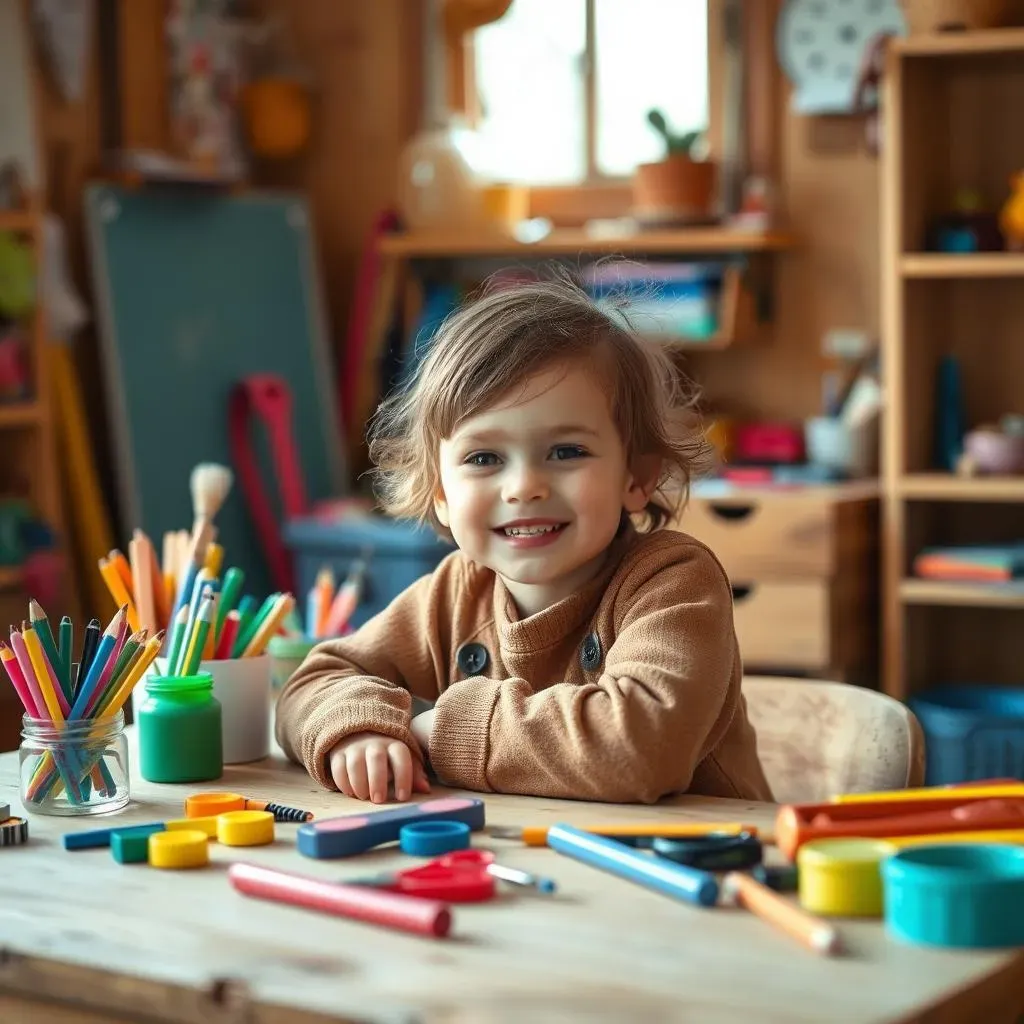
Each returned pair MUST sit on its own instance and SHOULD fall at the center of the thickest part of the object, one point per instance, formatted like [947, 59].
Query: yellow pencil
[269, 627]
[138, 670]
[38, 659]
[967, 792]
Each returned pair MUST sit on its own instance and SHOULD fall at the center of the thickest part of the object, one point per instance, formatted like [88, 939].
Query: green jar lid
[180, 684]
[290, 646]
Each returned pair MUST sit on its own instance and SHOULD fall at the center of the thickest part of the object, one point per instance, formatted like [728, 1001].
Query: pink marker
[17, 678]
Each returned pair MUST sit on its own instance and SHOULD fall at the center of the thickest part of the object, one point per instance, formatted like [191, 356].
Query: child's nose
[525, 483]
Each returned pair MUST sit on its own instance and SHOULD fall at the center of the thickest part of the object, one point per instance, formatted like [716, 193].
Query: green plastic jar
[180, 730]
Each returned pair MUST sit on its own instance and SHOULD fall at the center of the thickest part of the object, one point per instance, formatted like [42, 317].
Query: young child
[571, 647]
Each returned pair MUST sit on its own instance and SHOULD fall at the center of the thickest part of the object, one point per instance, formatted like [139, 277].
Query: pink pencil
[17, 677]
[25, 664]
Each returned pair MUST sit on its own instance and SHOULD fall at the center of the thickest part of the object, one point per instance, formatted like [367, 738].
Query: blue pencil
[99, 663]
[652, 872]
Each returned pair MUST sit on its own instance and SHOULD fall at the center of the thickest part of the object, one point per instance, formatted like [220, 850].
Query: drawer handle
[732, 513]
[741, 591]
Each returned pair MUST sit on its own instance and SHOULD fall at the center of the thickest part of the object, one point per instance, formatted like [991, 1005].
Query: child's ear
[641, 483]
[441, 509]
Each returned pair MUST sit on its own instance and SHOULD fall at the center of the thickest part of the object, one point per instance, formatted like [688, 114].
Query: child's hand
[421, 726]
[362, 764]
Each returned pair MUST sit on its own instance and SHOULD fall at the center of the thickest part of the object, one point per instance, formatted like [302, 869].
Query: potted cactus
[679, 189]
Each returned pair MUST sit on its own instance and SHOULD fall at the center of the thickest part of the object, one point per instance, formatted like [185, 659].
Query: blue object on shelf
[949, 414]
[961, 895]
[398, 553]
[971, 732]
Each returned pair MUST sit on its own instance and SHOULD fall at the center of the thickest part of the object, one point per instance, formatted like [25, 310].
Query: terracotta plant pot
[950, 15]
[676, 190]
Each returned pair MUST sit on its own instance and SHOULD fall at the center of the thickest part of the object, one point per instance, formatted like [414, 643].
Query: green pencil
[197, 641]
[231, 589]
[177, 640]
[246, 631]
[66, 648]
[40, 623]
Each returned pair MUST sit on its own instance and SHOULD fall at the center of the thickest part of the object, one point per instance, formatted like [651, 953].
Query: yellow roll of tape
[842, 877]
[245, 828]
[183, 848]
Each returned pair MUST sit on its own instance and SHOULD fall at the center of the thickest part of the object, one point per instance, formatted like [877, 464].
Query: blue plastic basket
[971, 732]
[399, 554]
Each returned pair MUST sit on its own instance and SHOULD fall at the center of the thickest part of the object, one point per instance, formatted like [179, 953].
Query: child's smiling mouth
[531, 532]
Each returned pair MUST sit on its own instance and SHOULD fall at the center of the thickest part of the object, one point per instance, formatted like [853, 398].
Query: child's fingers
[339, 772]
[420, 782]
[355, 762]
[377, 771]
[401, 769]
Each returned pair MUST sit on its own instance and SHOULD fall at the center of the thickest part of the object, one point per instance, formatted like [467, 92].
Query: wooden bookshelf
[959, 44]
[19, 414]
[982, 264]
[962, 595]
[950, 122]
[566, 242]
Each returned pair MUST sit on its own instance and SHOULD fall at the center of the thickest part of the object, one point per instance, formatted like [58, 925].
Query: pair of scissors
[462, 876]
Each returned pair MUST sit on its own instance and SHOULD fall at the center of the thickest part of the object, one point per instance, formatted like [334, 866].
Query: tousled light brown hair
[499, 341]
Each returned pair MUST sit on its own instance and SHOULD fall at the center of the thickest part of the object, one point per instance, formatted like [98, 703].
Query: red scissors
[462, 876]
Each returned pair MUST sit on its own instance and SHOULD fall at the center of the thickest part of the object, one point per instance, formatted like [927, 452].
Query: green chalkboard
[194, 291]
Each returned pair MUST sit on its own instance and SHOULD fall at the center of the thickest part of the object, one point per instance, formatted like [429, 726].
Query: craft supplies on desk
[956, 895]
[683, 883]
[357, 833]
[180, 731]
[74, 758]
[537, 835]
[364, 903]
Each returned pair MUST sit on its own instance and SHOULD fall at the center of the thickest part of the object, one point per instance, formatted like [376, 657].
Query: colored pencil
[41, 625]
[197, 638]
[268, 627]
[66, 647]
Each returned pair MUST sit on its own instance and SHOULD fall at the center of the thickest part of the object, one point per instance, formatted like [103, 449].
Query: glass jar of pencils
[77, 767]
[179, 724]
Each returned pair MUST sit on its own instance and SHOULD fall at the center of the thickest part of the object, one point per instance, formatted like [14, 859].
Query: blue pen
[657, 873]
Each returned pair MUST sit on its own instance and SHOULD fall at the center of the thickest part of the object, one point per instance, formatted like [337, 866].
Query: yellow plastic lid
[207, 825]
[245, 828]
[183, 848]
[202, 805]
[843, 853]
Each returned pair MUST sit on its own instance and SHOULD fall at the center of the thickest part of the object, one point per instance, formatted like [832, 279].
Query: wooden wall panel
[365, 61]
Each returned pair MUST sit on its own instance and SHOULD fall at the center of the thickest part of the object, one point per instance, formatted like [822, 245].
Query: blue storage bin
[399, 554]
[971, 732]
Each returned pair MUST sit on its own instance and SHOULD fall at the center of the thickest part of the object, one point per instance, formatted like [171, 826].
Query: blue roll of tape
[956, 894]
[432, 838]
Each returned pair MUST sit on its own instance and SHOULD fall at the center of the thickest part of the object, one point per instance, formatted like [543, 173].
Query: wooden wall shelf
[949, 123]
[18, 220]
[962, 595]
[947, 265]
[947, 487]
[567, 242]
[960, 44]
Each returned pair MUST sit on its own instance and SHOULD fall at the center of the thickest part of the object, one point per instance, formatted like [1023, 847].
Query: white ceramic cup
[242, 688]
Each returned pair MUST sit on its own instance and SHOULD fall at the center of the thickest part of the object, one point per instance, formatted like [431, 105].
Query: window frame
[605, 196]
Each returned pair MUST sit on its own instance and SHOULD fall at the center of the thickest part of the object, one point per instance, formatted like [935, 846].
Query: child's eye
[481, 459]
[567, 451]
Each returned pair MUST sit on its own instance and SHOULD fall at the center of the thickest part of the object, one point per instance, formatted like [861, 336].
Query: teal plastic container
[180, 738]
[959, 895]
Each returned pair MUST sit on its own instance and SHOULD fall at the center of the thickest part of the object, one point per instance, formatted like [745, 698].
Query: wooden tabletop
[113, 942]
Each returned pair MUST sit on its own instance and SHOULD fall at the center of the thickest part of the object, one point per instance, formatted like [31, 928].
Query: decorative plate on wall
[821, 45]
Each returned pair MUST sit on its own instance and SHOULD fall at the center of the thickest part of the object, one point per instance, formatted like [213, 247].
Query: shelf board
[568, 242]
[945, 265]
[10, 577]
[17, 220]
[947, 487]
[959, 44]
[962, 595]
[19, 414]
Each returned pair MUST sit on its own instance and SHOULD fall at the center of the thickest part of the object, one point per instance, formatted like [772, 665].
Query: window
[564, 86]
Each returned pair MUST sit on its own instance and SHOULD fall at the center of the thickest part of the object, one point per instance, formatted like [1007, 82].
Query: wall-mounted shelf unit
[951, 112]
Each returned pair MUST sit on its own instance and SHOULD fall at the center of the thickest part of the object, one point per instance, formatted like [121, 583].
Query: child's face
[534, 487]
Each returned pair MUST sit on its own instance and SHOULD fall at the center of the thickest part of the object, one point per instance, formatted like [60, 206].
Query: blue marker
[657, 873]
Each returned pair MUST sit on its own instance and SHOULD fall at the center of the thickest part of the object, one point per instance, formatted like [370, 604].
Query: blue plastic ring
[432, 838]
